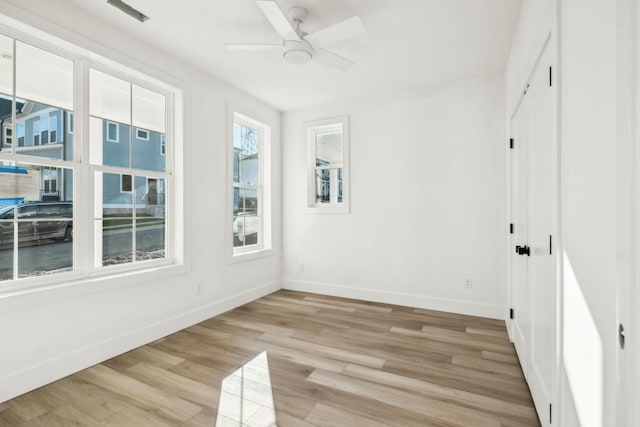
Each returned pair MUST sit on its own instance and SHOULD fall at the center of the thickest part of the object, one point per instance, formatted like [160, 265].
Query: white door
[543, 214]
[519, 238]
[534, 213]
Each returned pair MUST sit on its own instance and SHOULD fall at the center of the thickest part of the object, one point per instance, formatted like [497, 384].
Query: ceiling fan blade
[278, 19]
[334, 33]
[332, 60]
[253, 47]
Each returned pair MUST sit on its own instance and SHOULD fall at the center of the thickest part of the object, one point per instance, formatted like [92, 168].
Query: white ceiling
[408, 43]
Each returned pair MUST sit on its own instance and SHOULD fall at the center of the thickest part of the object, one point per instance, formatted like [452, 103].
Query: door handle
[523, 250]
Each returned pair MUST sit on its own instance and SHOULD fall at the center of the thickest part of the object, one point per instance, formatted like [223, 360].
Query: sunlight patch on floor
[246, 397]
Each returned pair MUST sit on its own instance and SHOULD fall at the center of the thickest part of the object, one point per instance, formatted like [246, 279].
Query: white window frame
[138, 130]
[264, 244]
[70, 122]
[6, 129]
[177, 236]
[117, 125]
[313, 128]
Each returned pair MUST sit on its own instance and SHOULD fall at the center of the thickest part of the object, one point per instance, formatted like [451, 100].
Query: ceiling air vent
[128, 10]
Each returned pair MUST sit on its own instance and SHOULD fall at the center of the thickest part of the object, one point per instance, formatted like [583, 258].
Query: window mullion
[84, 215]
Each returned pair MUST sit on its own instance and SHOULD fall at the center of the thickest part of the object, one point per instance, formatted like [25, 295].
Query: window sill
[74, 284]
[249, 255]
[335, 209]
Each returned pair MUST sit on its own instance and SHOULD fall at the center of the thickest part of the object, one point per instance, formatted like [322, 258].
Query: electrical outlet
[301, 267]
[198, 288]
[468, 283]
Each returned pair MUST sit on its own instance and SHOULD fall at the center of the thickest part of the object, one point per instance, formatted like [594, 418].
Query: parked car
[33, 223]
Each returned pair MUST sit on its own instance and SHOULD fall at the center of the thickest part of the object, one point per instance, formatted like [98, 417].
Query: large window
[251, 179]
[129, 192]
[121, 219]
[328, 154]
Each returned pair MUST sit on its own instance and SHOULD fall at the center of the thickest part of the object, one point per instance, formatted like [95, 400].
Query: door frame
[628, 208]
[550, 42]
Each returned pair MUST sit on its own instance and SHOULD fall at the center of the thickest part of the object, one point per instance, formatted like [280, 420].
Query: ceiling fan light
[297, 57]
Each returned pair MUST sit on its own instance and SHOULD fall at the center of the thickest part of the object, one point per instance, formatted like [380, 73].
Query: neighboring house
[45, 131]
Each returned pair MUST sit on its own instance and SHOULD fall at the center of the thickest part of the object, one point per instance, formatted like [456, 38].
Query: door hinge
[511, 313]
[550, 418]
[511, 143]
[526, 89]
[550, 77]
[511, 228]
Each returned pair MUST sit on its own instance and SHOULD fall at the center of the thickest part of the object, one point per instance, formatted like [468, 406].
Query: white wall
[427, 197]
[588, 135]
[50, 333]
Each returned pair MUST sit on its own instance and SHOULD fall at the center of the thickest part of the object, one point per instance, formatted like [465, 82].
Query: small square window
[112, 132]
[142, 134]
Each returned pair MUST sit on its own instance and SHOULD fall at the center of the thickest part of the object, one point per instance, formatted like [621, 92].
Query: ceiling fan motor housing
[297, 52]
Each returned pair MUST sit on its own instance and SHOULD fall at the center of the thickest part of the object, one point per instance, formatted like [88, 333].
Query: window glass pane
[328, 185]
[37, 126]
[150, 238]
[246, 229]
[6, 90]
[44, 247]
[109, 97]
[37, 201]
[6, 247]
[329, 148]
[245, 154]
[148, 109]
[150, 197]
[117, 195]
[109, 143]
[148, 154]
[117, 241]
[6, 69]
[43, 77]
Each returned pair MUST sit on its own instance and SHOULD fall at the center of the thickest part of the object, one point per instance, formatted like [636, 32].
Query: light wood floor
[296, 359]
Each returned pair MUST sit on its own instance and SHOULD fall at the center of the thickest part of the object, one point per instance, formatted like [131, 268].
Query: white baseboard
[397, 298]
[36, 376]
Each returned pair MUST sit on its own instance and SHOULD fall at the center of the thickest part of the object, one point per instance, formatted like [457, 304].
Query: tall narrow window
[129, 177]
[20, 134]
[35, 233]
[69, 122]
[251, 219]
[53, 129]
[327, 145]
[112, 132]
[36, 132]
[44, 129]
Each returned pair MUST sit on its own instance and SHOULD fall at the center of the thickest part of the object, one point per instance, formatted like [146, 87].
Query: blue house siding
[147, 154]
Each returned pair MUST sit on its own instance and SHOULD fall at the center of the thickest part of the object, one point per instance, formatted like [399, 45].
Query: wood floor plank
[299, 359]
[435, 391]
[167, 404]
[439, 411]
[328, 416]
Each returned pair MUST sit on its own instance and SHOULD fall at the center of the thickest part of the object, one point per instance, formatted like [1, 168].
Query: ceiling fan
[298, 47]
